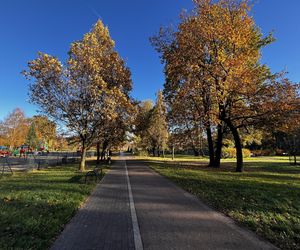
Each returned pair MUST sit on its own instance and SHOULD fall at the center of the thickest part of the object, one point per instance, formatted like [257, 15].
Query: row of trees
[151, 127]
[36, 132]
[215, 81]
[89, 93]
[216, 86]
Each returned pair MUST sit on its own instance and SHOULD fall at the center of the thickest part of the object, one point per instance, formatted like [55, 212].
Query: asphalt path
[135, 208]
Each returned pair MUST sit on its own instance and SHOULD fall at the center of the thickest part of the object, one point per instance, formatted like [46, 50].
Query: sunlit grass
[35, 206]
[188, 158]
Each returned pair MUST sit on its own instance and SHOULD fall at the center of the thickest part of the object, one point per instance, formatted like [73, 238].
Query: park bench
[97, 172]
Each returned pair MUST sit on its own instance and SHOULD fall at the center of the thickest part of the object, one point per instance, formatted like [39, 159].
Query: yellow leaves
[44, 64]
[14, 128]
[213, 61]
[91, 90]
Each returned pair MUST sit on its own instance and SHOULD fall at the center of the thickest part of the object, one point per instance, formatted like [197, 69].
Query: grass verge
[265, 197]
[35, 206]
[205, 160]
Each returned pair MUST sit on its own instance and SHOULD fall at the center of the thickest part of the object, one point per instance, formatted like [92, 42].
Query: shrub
[228, 153]
[246, 153]
[142, 153]
[231, 153]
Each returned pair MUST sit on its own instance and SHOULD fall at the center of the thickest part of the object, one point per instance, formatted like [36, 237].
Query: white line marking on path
[135, 224]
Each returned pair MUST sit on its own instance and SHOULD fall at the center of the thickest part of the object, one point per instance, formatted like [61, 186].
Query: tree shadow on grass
[271, 209]
[275, 177]
[274, 167]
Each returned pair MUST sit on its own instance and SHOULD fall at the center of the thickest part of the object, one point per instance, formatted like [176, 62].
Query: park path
[104, 222]
[135, 208]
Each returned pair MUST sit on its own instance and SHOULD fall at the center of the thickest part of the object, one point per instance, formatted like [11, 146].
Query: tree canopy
[89, 90]
[213, 60]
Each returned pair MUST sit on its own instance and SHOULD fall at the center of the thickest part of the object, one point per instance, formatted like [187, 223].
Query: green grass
[168, 157]
[189, 158]
[265, 198]
[35, 206]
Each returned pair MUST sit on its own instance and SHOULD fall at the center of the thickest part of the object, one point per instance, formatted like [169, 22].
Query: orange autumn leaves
[212, 63]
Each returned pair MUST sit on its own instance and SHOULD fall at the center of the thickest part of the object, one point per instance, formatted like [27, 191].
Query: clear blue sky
[50, 26]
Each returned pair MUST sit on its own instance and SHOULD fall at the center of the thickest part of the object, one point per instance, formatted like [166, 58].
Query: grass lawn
[168, 157]
[265, 198]
[188, 158]
[35, 206]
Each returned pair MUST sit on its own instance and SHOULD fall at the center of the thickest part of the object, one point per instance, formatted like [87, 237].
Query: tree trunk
[201, 146]
[210, 146]
[83, 157]
[104, 147]
[153, 151]
[196, 152]
[173, 151]
[238, 147]
[102, 155]
[98, 152]
[218, 155]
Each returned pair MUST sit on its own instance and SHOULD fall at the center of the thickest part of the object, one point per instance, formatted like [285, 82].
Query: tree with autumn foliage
[158, 126]
[215, 56]
[186, 82]
[86, 92]
[14, 129]
[43, 131]
[113, 133]
[151, 127]
[142, 140]
[186, 127]
[284, 131]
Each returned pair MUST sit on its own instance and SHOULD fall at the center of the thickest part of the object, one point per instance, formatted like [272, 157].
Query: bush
[228, 153]
[231, 153]
[142, 153]
[246, 153]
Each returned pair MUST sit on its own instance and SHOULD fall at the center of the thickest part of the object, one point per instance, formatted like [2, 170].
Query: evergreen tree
[32, 139]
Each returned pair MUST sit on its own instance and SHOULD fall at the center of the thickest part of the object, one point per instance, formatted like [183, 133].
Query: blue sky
[50, 26]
